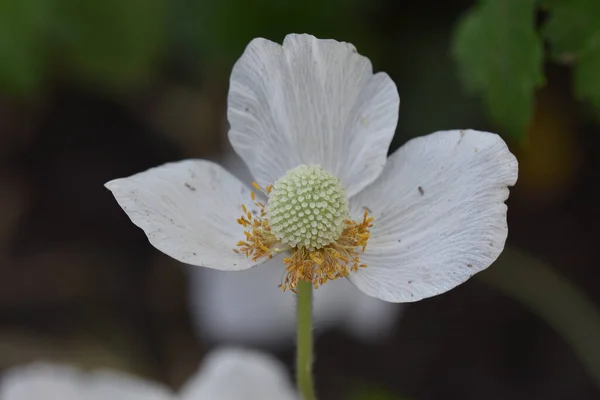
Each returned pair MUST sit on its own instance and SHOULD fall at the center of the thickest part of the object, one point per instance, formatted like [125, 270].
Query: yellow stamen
[260, 241]
[333, 261]
[317, 266]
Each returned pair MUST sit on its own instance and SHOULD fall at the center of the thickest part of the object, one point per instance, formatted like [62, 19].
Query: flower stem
[304, 341]
[570, 311]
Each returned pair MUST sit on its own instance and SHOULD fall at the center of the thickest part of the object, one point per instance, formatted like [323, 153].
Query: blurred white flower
[248, 308]
[313, 124]
[227, 374]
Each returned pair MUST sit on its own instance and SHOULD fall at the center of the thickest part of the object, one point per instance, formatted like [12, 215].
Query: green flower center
[307, 208]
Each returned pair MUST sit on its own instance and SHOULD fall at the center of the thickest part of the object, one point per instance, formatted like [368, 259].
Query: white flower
[313, 124]
[247, 308]
[228, 374]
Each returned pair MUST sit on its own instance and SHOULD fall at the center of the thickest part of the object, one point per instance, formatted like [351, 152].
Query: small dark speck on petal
[410, 281]
[399, 240]
[470, 265]
[193, 253]
[462, 134]
[187, 185]
[421, 191]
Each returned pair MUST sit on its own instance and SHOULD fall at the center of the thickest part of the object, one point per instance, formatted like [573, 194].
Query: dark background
[79, 283]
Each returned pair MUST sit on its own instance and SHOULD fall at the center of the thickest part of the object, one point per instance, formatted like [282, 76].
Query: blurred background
[99, 89]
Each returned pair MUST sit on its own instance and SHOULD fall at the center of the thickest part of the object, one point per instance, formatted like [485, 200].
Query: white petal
[104, 385]
[370, 319]
[247, 308]
[59, 382]
[236, 374]
[439, 214]
[311, 101]
[188, 210]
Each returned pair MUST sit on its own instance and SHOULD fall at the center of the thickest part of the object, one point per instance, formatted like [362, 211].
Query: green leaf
[499, 56]
[21, 46]
[571, 25]
[115, 43]
[573, 32]
[587, 76]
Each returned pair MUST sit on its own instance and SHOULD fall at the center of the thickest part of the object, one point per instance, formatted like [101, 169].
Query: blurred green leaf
[573, 32]
[115, 43]
[500, 57]
[587, 77]
[571, 25]
[21, 47]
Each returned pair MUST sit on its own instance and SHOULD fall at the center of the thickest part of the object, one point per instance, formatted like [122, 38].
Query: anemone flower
[227, 374]
[246, 308]
[313, 124]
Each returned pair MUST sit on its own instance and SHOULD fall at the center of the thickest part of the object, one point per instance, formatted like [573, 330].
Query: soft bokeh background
[99, 89]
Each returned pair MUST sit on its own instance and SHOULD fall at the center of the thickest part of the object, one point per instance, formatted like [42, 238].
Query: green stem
[562, 304]
[304, 340]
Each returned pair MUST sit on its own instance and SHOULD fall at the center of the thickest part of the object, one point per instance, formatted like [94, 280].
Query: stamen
[319, 258]
[333, 261]
[260, 241]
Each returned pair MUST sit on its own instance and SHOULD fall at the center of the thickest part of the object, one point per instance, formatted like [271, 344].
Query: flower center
[306, 214]
[307, 208]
